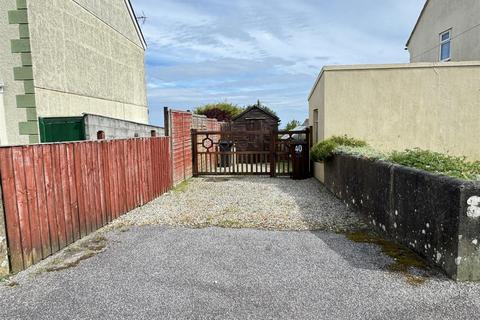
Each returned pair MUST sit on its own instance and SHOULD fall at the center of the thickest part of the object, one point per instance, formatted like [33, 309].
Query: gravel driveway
[247, 202]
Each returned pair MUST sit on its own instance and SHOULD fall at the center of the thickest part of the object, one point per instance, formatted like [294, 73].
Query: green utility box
[62, 129]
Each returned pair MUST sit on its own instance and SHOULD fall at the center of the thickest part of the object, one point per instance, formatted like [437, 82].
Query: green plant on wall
[430, 161]
[325, 149]
[456, 167]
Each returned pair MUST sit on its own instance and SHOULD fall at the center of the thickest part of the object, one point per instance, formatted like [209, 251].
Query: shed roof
[251, 108]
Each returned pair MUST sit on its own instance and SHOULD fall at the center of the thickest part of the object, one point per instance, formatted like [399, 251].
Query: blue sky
[203, 51]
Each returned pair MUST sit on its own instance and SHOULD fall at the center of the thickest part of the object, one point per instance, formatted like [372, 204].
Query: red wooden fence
[181, 123]
[55, 194]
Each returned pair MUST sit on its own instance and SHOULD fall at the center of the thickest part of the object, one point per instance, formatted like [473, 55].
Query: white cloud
[244, 50]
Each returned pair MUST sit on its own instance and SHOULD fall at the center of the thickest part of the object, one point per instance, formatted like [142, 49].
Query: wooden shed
[255, 120]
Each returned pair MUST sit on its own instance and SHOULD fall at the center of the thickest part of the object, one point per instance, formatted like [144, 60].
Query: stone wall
[435, 216]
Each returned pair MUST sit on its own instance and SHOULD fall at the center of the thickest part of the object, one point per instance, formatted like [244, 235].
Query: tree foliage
[292, 125]
[222, 111]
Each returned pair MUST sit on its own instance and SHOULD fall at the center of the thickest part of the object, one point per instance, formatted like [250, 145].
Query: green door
[62, 129]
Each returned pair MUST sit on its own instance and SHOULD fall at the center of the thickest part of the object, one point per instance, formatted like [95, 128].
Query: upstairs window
[445, 46]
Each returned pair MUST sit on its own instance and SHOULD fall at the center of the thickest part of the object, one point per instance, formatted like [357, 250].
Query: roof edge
[128, 3]
[418, 21]
[414, 65]
[259, 108]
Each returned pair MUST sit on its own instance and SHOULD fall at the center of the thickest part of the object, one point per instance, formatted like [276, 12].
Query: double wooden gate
[273, 153]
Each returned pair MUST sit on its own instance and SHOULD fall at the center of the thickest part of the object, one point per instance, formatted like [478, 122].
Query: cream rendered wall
[394, 107]
[463, 16]
[317, 102]
[113, 12]
[3, 122]
[9, 132]
[87, 58]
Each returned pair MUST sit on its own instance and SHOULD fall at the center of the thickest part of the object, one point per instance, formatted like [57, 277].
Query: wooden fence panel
[55, 194]
[11, 210]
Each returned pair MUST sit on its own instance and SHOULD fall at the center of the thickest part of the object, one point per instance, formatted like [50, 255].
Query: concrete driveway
[157, 272]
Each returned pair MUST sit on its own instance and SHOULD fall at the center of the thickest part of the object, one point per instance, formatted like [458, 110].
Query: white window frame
[442, 42]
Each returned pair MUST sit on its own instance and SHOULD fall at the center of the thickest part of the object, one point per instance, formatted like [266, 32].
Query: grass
[181, 187]
[430, 161]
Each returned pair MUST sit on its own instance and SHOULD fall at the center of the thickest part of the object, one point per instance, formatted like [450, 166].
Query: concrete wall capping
[436, 216]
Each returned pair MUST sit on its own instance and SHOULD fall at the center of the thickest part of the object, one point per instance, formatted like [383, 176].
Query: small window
[153, 133]
[101, 135]
[445, 46]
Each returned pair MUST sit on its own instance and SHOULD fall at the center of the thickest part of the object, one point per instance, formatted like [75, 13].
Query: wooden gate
[272, 153]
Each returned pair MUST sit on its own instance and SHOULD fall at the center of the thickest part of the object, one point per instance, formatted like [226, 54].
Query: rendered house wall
[462, 16]
[65, 58]
[82, 61]
[394, 107]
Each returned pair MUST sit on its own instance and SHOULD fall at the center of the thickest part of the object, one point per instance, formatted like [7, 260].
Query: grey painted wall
[462, 16]
[116, 128]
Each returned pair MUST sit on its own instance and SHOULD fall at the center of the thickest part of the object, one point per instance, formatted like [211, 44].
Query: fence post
[4, 260]
[194, 153]
[273, 153]
[166, 121]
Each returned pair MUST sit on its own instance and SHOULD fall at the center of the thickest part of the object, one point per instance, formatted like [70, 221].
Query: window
[100, 135]
[315, 125]
[445, 46]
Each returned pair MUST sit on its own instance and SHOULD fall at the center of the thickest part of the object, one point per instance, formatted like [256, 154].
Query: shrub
[222, 111]
[366, 152]
[325, 149]
[435, 162]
